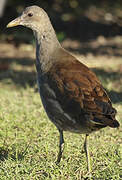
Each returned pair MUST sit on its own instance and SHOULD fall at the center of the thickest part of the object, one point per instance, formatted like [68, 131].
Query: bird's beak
[15, 22]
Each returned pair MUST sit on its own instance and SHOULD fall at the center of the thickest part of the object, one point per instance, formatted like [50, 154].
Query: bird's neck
[46, 45]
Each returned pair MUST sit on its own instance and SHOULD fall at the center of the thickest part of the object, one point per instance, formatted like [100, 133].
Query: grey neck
[46, 45]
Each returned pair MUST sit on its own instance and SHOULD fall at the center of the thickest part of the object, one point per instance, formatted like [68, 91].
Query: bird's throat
[46, 46]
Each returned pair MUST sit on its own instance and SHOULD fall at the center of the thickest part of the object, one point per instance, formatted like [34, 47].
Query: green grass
[29, 141]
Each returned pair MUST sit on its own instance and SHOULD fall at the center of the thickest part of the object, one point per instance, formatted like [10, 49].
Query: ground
[29, 141]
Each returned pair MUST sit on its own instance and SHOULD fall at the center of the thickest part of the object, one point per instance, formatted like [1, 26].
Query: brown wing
[78, 89]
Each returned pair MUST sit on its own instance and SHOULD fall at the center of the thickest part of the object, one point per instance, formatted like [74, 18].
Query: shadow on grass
[110, 50]
[4, 153]
[20, 78]
[21, 61]
[116, 97]
[112, 76]
[85, 29]
[19, 155]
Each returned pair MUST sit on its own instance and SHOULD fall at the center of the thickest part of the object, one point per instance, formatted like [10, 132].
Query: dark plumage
[73, 97]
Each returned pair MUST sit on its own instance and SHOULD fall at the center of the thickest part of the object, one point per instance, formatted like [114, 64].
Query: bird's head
[32, 17]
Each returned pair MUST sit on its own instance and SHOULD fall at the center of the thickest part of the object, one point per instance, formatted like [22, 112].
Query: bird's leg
[86, 148]
[61, 146]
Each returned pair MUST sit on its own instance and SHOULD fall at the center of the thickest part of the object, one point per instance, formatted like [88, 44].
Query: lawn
[29, 141]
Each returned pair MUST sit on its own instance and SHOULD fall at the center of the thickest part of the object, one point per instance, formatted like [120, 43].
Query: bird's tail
[113, 123]
[103, 122]
[107, 117]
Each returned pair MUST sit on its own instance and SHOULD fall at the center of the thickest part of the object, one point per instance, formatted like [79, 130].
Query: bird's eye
[30, 14]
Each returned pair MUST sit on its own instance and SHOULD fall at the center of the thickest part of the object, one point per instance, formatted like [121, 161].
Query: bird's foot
[61, 148]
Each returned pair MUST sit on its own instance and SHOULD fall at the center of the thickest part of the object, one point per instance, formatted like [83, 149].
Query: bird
[72, 95]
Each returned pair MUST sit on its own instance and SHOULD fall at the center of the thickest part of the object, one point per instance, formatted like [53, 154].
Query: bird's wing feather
[79, 88]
